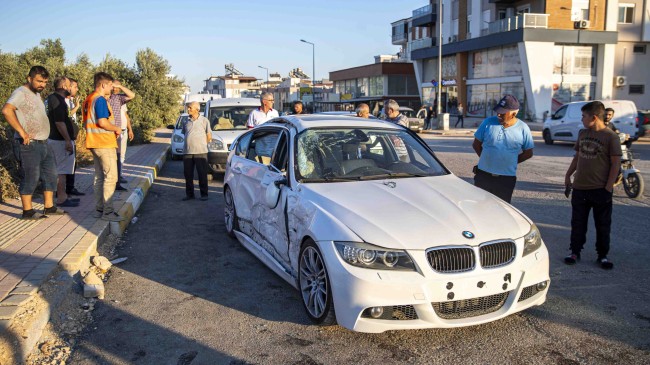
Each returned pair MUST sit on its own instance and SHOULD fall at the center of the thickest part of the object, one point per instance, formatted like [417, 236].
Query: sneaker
[112, 217]
[122, 180]
[571, 259]
[69, 203]
[204, 197]
[98, 213]
[605, 263]
[187, 198]
[119, 187]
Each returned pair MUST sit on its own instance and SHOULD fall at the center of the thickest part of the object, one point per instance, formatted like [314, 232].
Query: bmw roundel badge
[467, 234]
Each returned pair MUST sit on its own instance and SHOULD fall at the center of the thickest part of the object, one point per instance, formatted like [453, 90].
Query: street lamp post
[313, 77]
[267, 76]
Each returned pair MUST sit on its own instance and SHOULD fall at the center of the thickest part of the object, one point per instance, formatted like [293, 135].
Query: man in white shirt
[263, 113]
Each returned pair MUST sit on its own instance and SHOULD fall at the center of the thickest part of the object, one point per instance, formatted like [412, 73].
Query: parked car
[416, 124]
[228, 119]
[178, 139]
[566, 122]
[644, 122]
[374, 231]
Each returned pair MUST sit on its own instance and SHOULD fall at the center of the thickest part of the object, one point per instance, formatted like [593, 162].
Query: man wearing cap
[501, 142]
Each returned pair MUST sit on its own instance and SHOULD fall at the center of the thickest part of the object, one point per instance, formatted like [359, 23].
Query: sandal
[54, 210]
[32, 215]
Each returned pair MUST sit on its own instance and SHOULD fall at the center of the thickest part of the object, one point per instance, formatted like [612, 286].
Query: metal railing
[425, 10]
[421, 43]
[526, 20]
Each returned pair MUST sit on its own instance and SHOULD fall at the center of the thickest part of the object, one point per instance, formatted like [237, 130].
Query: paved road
[189, 294]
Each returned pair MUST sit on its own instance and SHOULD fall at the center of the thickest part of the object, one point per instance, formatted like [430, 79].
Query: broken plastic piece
[118, 260]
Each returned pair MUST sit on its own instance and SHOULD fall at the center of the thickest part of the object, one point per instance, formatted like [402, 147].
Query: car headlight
[532, 240]
[177, 138]
[373, 257]
[215, 145]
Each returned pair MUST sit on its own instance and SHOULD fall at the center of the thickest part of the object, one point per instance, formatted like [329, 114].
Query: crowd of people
[45, 134]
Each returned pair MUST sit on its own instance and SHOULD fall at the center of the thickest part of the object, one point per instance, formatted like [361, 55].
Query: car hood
[418, 213]
[228, 136]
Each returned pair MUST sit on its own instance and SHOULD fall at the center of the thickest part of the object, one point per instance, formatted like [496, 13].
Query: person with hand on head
[101, 140]
[119, 97]
[196, 130]
[61, 138]
[25, 113]
[502, 142]
[74, 102]
[596, 166]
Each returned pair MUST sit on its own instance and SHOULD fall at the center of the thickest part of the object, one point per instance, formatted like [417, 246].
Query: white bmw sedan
[362, 218]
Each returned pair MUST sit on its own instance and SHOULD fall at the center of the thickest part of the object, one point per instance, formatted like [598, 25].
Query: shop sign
[449, 82]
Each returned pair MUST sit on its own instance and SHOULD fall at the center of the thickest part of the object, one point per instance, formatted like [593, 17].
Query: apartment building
[545, 52]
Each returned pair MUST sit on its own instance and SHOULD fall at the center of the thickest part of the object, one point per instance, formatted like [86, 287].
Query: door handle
[236, 170]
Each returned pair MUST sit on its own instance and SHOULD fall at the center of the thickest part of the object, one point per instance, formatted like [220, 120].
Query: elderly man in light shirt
[264, 112]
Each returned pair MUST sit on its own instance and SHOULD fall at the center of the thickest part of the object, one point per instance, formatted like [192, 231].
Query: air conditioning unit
[581, 24]
[620, 81]
[454, 38]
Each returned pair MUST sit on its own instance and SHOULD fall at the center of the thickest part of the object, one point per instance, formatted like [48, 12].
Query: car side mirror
[171, 126]
[272, 194]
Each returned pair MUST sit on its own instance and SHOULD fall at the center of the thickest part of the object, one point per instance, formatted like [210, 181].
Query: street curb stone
[74, 259]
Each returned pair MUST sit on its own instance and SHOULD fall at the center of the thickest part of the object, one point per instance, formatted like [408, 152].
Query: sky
[198, 37]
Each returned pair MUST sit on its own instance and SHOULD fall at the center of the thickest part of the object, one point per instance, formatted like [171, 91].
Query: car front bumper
[427, 299]
[217, 160]
[177, 148]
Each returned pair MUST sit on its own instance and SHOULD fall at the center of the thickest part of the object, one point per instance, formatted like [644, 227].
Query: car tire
[315, 285]
[230, 213]
[175, 157]
[547, 137]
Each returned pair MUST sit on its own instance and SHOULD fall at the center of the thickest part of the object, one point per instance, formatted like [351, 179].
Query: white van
[202, 99]
[566, 122]
[228, 119]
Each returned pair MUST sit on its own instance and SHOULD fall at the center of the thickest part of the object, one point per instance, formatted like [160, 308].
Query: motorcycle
[629, 175]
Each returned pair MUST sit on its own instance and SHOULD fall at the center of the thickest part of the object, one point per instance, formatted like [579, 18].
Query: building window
[626, 13]
[636, 89]
[639, 48]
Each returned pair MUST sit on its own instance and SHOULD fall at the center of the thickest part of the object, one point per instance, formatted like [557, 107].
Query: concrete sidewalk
[469, 127]
[30, 251]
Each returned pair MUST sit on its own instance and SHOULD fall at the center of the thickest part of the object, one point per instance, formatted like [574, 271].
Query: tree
[156, 102]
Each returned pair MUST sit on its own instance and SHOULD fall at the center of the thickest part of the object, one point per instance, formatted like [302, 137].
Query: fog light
[541, 286]
[376, 312]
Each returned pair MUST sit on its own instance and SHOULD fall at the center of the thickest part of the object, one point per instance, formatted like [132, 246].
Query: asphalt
[31, 252]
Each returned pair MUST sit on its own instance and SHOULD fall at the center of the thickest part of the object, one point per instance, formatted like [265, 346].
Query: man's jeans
[582, 201]
[37, 163]
[105, 178]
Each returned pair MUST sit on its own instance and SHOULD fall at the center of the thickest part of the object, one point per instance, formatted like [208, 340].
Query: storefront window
[494, 62]
[362, 86]
[569, 92]
[376, 85]
[396, 85]
[574, 60]
[476, 101]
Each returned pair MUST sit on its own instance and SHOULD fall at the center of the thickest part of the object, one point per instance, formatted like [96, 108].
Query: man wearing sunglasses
[501, 142]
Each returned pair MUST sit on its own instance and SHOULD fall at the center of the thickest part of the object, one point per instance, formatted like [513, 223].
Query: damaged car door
[270, 215]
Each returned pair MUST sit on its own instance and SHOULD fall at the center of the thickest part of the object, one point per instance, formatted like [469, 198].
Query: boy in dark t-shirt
[596, 165]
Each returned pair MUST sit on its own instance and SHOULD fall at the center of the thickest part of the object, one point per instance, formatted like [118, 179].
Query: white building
[545, 52]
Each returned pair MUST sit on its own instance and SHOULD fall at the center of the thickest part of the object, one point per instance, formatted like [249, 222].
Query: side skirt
[267, 259]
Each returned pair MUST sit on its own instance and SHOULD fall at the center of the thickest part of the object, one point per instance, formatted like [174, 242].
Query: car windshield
[181, 121]
[407, 113]
[229, 117]
[350, 154]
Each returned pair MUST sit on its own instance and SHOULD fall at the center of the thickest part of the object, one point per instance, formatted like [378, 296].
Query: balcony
[400, 38]
[424, 16]
[422, 43]
[526, 20]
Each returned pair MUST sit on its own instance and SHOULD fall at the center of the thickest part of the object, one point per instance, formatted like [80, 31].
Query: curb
[74, 263]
